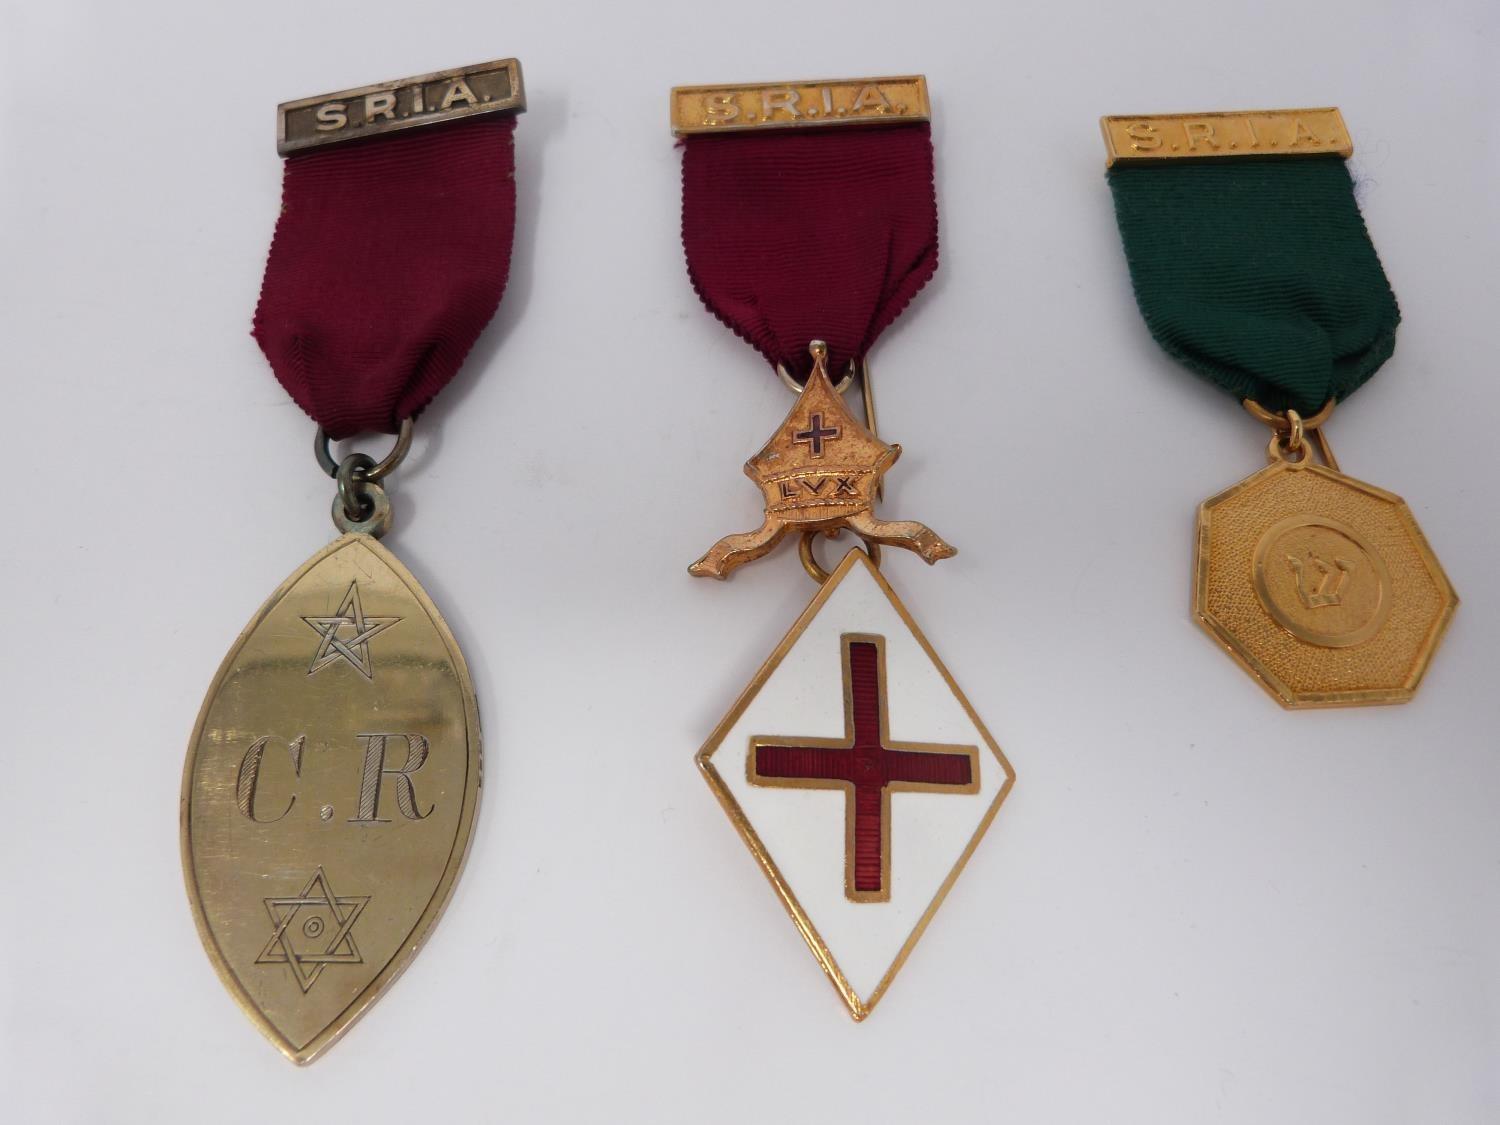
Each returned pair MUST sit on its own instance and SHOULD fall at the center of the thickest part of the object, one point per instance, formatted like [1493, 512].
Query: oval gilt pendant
[329, 794]
[1321, 586]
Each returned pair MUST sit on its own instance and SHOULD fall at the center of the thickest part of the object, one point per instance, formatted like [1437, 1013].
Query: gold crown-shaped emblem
[820, 471]
[1320, 583]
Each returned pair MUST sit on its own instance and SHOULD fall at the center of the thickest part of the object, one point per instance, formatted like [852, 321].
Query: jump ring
[1281, 450]
[810, 562]
[1295, 428]
[355, 485]
[796, 387]
[375, 520]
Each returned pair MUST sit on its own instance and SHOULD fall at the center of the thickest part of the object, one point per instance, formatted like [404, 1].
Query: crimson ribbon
[800, 235]
[390, 257]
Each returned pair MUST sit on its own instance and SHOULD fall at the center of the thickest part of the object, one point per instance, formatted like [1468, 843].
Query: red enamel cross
[816, 434]
[867, 766]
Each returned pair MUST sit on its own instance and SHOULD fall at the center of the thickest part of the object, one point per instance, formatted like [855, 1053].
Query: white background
[1194, 907]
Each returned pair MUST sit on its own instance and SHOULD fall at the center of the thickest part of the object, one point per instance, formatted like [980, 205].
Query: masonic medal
[333, 776]
[1252, 266]
[852, 766]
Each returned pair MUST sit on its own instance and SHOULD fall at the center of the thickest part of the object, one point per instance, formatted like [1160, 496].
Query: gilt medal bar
[852, 766]
[333, 776]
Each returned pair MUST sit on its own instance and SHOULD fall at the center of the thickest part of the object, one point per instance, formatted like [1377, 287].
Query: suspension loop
[1290, 431]
[1278, 420]
[810, 562]
[815, 347]
[378, 470]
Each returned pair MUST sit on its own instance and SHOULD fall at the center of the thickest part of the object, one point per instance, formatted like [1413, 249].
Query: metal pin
[1321, 437]
[867, 392]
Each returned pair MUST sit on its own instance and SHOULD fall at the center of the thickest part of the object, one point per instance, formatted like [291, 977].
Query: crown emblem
[821, 471]
[1319, 583]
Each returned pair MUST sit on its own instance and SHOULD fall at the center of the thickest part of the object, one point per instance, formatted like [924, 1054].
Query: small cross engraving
[816, 434]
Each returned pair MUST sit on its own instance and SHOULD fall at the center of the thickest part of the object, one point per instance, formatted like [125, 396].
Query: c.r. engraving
[374, 774]
[248, 779]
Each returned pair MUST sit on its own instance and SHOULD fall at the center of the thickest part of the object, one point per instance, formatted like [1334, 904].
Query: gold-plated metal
[810, 562]
[819, 472]
[1294, 432]
[867, 393]
[1278, 420]
[859, 1006]
[796, 388]
[1260, 133]
[329, 794]
[405, 103]
[1325, 450]
[782, 105]
[1322, 586]
[1289, 429]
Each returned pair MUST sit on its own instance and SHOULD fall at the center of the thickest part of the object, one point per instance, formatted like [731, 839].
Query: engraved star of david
[340, 949]
[356, 649]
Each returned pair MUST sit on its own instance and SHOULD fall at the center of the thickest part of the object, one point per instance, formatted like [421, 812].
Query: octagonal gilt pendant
[1321, 586]
[329, 794]
[859, 776]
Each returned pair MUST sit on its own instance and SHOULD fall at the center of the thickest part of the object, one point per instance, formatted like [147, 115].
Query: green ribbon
[1258, 274]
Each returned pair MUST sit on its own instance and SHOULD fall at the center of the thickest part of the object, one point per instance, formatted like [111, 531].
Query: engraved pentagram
[322, 914]
[355, 649]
